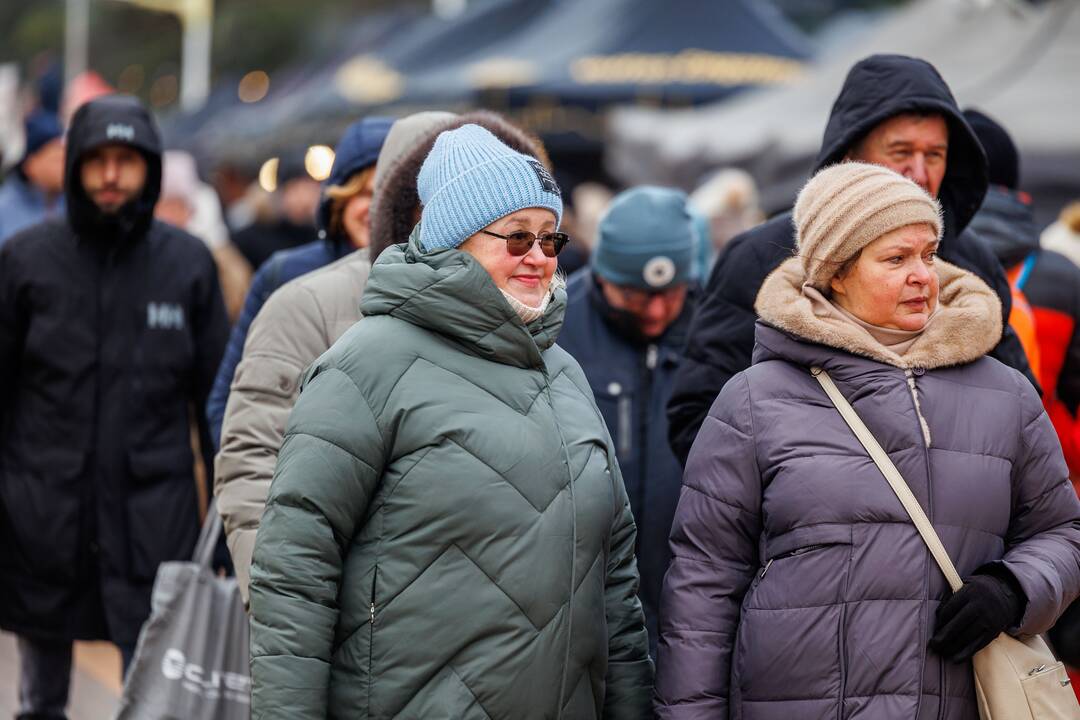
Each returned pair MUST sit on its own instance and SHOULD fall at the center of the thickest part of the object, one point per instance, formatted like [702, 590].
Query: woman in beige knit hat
[799, 585]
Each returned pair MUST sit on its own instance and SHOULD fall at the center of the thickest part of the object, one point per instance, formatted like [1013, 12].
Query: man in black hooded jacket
[111, 328]
[893, 110]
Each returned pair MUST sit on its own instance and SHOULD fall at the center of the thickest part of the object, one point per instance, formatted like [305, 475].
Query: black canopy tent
[374, 74]
[556, 66]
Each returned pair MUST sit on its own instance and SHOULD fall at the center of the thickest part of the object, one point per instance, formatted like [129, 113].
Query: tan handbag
[1014, 679]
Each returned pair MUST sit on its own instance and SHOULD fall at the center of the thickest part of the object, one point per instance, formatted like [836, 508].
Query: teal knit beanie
[647, 240]
[470, 179]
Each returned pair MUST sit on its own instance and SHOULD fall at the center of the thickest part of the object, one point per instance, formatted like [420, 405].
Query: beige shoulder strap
[896, 480]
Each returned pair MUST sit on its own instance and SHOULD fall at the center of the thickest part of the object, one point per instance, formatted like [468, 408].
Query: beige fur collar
[967, 326]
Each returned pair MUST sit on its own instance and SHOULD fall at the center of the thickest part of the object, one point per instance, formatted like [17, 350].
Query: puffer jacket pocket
[798, 593]
[162, 508]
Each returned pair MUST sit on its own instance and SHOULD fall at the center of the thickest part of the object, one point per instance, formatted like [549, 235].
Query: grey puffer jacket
[799, 586]
[447, 534]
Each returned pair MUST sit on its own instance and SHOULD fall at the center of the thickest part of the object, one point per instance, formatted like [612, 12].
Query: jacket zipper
[910, 375]
[103, 260]
[573, 547]
[841, 648]
[371, 640]
[644, 404]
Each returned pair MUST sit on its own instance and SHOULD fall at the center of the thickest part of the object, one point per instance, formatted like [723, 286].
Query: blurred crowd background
[725, 99]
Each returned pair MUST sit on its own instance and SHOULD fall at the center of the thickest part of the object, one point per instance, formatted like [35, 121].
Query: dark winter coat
[447, 524]
[632, 382]
[799, 587]
[110, 333]
[1052, 288]
[722, 330]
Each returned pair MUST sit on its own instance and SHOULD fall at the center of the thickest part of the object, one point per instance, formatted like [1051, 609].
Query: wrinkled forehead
[930, 128]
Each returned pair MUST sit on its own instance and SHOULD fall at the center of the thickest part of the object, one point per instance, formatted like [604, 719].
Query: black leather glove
[977, 613]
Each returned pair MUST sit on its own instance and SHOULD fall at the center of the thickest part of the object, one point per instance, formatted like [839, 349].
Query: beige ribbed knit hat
[847, 206]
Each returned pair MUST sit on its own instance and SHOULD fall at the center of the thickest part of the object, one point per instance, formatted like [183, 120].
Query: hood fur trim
[967, 326]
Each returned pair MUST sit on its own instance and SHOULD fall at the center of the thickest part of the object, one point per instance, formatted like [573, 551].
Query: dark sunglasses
[519, 243]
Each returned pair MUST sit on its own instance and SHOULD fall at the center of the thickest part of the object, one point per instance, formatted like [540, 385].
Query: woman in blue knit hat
[447, 534]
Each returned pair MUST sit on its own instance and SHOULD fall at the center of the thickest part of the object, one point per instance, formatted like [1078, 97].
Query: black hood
[106, 120]
[1006, 223]
[883, 86]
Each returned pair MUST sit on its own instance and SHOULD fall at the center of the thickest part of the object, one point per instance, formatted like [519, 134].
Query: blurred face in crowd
[355, 219]
[299, 199]
[45, 168]
[526, 277]
[653, 310]
[173, 210]
[916, 146]
[893, 282]
[113, 175]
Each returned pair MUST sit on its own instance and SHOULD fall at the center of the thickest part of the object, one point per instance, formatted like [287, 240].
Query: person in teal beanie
[626, 319]
[447, 522]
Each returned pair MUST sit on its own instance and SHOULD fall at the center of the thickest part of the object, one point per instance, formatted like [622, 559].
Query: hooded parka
[447, 523]
[799, 586]
[111, 328]
[721, 335]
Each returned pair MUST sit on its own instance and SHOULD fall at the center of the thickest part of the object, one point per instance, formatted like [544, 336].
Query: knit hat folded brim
[846, 207]
[646, 239]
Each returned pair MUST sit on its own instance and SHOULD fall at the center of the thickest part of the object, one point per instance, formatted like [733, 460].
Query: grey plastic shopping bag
[191, 661]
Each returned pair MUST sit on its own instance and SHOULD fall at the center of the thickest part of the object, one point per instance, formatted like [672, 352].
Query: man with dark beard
[111, 328]
[626, 318]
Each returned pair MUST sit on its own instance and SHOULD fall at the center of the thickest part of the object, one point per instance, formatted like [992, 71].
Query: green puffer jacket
[447, 534]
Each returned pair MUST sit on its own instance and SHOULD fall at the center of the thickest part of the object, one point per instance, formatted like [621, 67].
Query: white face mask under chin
[528, 313]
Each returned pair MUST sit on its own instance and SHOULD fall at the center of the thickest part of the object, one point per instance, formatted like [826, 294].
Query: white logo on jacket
[164, 316]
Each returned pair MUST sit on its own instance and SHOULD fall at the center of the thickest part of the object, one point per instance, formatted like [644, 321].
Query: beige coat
[298, 323]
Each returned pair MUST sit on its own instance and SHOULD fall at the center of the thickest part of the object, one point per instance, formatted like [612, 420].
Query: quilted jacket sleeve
[630, 671]
[327, 472]
[714, 544]
[1043, 543]
[287, 335]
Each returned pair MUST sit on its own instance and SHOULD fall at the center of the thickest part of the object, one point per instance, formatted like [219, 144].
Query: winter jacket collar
[1007, 224]
[883, 86]
[112, 119]
[448, 292]
[967, 325]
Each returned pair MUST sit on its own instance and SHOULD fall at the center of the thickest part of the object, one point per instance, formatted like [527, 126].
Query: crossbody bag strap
[892, 475]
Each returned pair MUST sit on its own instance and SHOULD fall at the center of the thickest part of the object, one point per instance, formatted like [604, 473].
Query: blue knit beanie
[41, 127]
[647, 240]
[470, 179]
